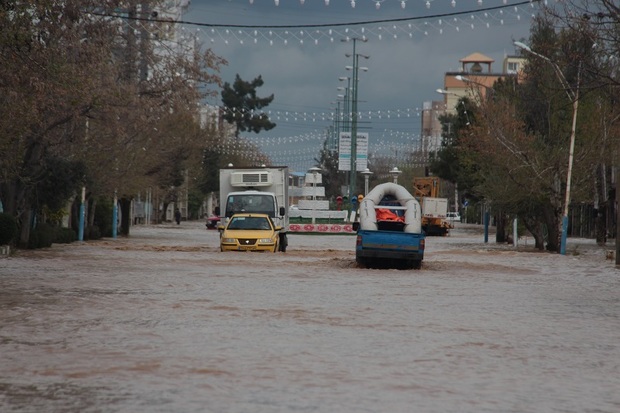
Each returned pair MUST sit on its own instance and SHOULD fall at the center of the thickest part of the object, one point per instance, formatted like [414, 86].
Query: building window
[513, 67]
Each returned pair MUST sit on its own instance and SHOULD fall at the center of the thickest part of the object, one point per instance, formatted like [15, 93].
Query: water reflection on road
[164, 322]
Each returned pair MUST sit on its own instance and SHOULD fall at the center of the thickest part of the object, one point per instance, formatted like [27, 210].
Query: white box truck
[435, 216]
[256, 189]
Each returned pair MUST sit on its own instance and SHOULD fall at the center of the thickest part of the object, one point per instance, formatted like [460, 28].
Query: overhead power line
[301, 26]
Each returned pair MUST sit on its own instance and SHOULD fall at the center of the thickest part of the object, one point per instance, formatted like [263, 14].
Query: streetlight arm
[569, 90]
[558, 72]
[445, 92]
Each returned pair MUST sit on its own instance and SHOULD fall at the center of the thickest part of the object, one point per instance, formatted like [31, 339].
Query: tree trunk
[125, 206]
[500, 228]
[162, 217]
[21, 204]
[553, 221]
[22, 210]
[26, 224]
[91, 212]
[537, 230]
[8, 197]
[75, 215]
[600, 224]
[600, 205]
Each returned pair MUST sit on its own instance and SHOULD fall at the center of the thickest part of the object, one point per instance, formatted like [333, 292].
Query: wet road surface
[165, 322]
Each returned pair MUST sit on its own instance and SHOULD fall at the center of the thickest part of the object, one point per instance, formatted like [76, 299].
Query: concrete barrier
[345, 228]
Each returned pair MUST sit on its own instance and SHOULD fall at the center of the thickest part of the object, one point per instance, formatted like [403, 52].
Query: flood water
[165, 322]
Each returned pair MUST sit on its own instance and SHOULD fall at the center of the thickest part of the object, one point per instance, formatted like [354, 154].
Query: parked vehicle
[213, 219]
[262, 190]
[389, 231]
[250, 232]
[434, 209]
[454, 216]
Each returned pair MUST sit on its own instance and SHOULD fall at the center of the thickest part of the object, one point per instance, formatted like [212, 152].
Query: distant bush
[64, 236]
[103, 217]
[8, 228]
[92, 232]
[41, 237]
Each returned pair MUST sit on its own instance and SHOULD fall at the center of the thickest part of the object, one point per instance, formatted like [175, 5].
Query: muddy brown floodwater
[165, 322]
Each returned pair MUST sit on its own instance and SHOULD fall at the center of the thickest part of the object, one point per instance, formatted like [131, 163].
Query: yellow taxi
[250, 232]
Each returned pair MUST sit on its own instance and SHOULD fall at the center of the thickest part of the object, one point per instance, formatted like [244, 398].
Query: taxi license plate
[247, 247]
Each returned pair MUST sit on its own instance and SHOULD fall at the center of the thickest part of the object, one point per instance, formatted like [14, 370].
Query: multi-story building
[476, 78]
[431, 127]
[474, 81]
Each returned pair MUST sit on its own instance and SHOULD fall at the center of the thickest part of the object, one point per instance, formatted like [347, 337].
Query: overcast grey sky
[301, 66]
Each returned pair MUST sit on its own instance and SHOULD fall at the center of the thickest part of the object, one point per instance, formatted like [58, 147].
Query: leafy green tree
[211, 164]
[60, 179]
[599, 22]
[332, 179]
[520, 140]
[456, 160]
[242, 106]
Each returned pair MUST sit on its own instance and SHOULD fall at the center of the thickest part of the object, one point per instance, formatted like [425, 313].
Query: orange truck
[434, 209]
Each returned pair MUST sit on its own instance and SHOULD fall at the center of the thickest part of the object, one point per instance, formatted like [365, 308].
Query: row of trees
[510, 149]
[107, 103]
[96, 101]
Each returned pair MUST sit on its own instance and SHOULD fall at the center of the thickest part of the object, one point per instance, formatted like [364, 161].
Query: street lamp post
[395, 172]
[573, 95]
[366, 172]
[355, 69]
[314, 171]
[345, 110]
[347, 102]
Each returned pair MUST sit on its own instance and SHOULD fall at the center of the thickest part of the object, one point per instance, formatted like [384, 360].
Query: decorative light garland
[406, 27]
[396, 30]
[255, 148]
[330, 116]
[398, 146]
[377, 3]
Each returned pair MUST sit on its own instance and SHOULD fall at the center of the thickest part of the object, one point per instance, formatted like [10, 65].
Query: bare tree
[79, 84]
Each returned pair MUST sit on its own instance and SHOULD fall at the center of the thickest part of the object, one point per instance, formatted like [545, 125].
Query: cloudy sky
[409, 51]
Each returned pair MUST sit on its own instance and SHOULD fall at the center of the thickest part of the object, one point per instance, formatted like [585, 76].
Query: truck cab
[261, 190]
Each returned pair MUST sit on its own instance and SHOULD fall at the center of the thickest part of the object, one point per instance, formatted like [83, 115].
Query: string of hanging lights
[303, 159]
[380, 29]
[388, 138]
[302, 149]
[390, 144]
[329, 116]
[378, 3]
[407, 28]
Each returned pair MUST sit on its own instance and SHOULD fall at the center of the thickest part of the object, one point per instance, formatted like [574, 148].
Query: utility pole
[354, 94]
[353, 127]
